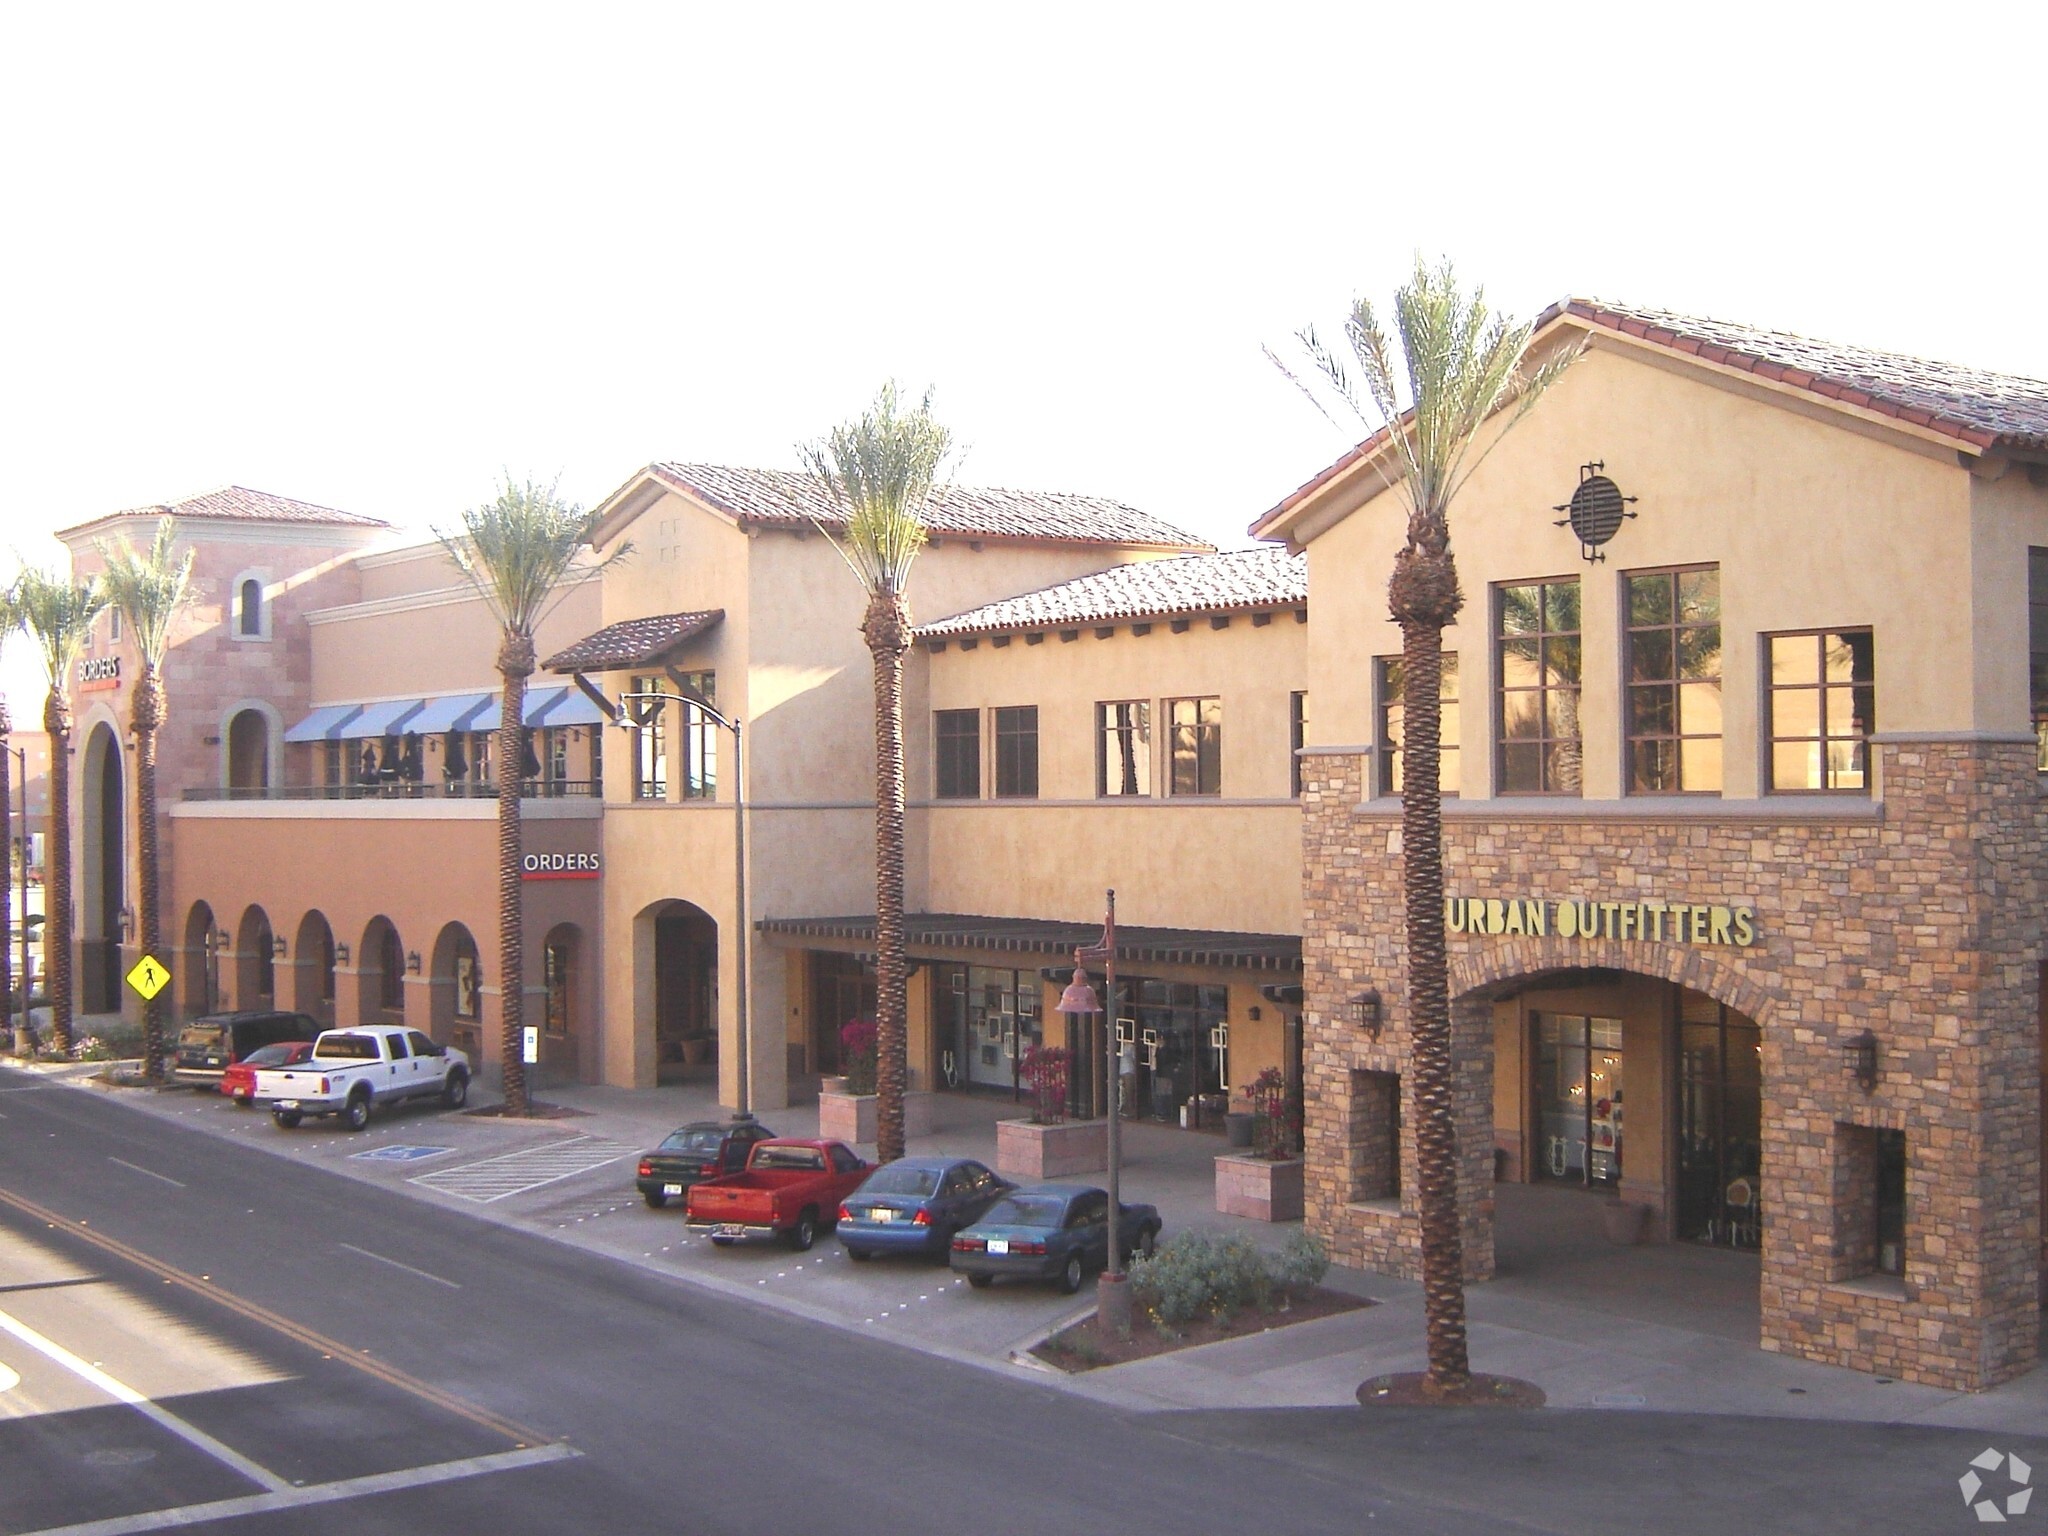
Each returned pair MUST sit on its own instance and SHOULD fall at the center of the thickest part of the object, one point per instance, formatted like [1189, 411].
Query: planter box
[1259, 1188]
[851, 1117]
[1039, 1152]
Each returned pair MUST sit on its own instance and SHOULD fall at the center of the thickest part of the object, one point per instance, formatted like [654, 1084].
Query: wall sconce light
[1367, 1005]
[412, 962]
[277, 945]
[1859, 1058]
[220, 940]
[341, 954]
[1252, 1013]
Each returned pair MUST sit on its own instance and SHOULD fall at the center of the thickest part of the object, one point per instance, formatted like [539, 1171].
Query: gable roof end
[238, 503]
[1242, 581]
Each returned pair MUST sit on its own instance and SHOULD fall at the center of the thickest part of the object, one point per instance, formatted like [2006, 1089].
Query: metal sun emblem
[1596, 511]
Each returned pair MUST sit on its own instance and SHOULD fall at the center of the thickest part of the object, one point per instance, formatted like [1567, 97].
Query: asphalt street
[196, 1337]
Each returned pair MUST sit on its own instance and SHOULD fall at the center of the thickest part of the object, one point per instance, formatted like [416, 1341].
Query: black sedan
[1050, 1232]
[916, 1204]
[699, 1151]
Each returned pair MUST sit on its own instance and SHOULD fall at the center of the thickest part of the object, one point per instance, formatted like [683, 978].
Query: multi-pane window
[957, 736]
[700, 740]
[650, 739]
[2037, 650]
[1017, 751]
[1536, 640]
[1195, 745]
[1674, 682]
[1823, 707]
[1393, 720]
[1297, 738]
[1123, 748]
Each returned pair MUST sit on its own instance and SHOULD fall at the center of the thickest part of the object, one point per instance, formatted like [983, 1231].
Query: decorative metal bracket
[1596, 511]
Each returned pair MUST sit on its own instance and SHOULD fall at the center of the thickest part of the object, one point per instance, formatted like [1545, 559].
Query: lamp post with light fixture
[1112, 1292]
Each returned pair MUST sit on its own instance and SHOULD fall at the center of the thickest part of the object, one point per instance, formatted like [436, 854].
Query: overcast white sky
[369, 255]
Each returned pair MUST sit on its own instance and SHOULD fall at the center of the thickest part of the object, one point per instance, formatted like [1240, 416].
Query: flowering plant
[1045, 1069]
[857, 1042]
[1276, 1124]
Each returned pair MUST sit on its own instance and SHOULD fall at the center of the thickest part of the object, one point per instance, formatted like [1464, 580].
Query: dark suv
[208, 1046]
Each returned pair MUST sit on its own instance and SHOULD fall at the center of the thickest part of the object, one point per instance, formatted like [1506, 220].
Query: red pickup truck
[789, 1188]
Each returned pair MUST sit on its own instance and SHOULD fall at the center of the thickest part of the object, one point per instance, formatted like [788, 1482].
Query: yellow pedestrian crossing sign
[149, 977]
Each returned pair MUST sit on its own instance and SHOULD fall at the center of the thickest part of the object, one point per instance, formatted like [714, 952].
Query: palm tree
[516, 551]
[57, 612]
[1463, 366]
[880, 470]
[150, 591]
[10, 620]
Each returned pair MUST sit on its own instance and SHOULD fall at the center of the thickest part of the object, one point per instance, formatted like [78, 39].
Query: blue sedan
[1050, 1232]
[916, 1204]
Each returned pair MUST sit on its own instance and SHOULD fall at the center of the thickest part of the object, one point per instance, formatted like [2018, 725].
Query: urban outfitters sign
[1658, 922]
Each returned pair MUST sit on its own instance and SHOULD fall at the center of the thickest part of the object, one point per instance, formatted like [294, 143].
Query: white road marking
[352, 1248]
[120, 1391]
[516, 1173]
[8, 1379]
[317, 1493]
[147, 1173]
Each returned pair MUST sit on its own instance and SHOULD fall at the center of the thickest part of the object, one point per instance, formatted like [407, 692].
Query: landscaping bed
[1086, 1345]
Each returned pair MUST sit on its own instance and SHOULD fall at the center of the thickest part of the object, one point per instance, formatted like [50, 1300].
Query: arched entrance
[456, 1012]
[248, 754]
[102, 872]
[255, 961]
[561, 970]
[675, 966]
[313, 968]
[381, 974]
[197, 969]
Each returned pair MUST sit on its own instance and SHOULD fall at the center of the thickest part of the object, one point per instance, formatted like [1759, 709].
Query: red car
[238, 1081]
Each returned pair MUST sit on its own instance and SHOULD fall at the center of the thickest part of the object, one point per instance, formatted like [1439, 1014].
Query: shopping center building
[1743, 823]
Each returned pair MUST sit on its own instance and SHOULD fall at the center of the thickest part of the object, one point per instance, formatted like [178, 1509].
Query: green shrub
[1200, 1274]
[1302, 1263]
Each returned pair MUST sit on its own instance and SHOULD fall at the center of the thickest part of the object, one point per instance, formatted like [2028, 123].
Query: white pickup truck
[351, 1071]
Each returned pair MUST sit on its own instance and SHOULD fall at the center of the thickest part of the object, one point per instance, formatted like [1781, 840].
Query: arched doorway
[561, 972]
[456, 1012]
[255, 961]
[197, 969]
[103, 873]
[381, 974]
[248, 754]
[313, 968]
[675, 954]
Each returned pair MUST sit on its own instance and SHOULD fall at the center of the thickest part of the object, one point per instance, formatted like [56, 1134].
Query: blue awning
[387, 719]
[572, 706]
[538, 702]
[450, 712]
[325, 723]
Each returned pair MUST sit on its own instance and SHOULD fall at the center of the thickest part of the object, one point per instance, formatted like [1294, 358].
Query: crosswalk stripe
[514, 1173]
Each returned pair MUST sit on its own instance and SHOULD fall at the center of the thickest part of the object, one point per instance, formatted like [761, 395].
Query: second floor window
[956, 736]
[250, 602]
[700, 741]
[1822, 709]
[1674, 682]
[2037, 651]
[1392, 681]
[1017, 751]
[650, 741]
[1195, 744]
[1536, 645]
[1297, 738]
[1123, 748]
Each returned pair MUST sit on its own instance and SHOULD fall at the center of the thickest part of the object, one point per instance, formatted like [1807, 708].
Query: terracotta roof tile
[242, 504]
[632, 642]
[790, 499]
[1144, 589]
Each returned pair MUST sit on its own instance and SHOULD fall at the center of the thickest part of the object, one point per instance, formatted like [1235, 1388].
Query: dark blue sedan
[1050, 1232]
[916, 1204]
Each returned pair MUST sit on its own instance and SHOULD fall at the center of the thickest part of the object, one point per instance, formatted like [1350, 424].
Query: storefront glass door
[1578, 1099]
[999, 1021]
[1720, 1120]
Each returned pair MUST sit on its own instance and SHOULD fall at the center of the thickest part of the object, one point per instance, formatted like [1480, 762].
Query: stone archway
[456, 984]
[380, 974]
[102, 871]
[255, 961]
[313, 969]
[563, 1005]
[248, 752]
[197, 969]
[675, 987]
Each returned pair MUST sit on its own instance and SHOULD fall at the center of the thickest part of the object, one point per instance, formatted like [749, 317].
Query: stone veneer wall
[1917, 917]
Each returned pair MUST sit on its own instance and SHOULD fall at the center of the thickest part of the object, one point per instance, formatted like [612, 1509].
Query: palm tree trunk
[887, 631]
[7, 866]
[57, 886]
[148, 715]
[515, 665]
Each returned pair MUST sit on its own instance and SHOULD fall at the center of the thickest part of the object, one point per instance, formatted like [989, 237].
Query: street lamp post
[1112, 1293]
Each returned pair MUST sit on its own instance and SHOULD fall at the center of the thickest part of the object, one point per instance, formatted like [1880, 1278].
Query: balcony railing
[401, 789]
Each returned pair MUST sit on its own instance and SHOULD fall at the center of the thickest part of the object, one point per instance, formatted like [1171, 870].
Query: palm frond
[57, 613]
[150, 588]
[880, 470]
[516, 550]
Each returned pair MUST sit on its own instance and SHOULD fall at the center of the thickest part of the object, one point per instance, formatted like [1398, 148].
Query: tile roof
[242, 504]
[633, 642]
[791, 499]
[1237, 582]
[1974, 407]
[1049, 937]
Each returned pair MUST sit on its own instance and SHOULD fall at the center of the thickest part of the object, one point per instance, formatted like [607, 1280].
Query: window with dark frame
[1016, 732]
[1195, 745]
[2037, 651]
[1297, 738]
[1123, 748]
[1820, 710]
[1673, 706]
[956, 736]
[1537, 658]
[700, 740]
[1390, 679]
[252, 607]
[650, 739]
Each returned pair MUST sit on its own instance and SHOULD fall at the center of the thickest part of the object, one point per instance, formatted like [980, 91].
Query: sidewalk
[1661, 1327]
